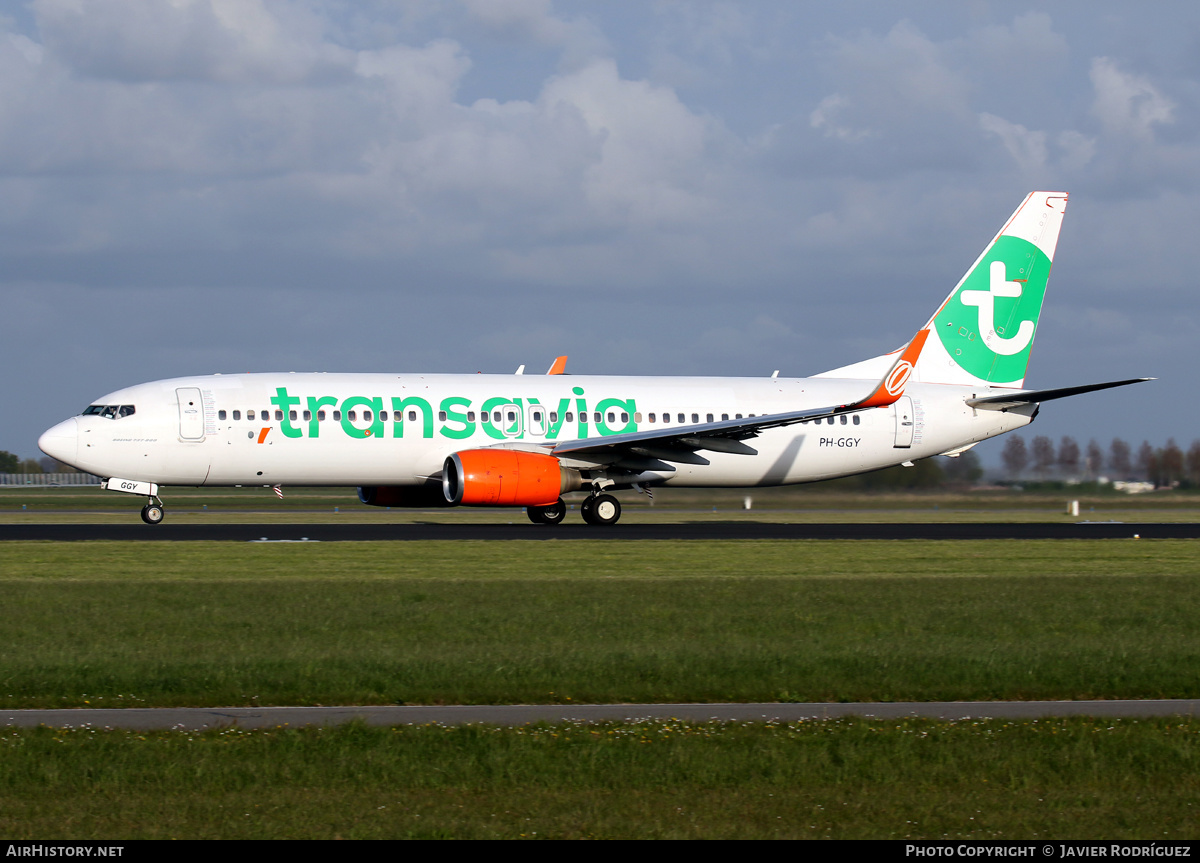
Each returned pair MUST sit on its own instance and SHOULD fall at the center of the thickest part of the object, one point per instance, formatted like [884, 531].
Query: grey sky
[650, 187]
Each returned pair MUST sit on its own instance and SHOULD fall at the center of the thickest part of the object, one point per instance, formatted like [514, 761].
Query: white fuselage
[396, 429]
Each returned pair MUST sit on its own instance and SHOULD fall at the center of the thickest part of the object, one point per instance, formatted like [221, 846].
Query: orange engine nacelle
[505, 477]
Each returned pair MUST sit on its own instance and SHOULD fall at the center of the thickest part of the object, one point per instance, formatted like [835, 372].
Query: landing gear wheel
[152, 513]
[601, 509]
[552, 514]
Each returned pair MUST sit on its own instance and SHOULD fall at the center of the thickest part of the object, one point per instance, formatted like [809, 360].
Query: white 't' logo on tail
[986, 301]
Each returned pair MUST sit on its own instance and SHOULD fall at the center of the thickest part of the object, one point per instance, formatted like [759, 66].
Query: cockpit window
[111, 412]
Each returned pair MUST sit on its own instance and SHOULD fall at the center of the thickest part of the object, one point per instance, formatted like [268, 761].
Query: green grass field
[516, 622]
[1056, 779]
[146, 623]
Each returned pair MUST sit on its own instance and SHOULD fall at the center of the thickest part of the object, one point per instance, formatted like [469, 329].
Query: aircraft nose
[61, 441]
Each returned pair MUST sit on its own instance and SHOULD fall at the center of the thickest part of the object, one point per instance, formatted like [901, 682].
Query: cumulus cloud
[688, 184]
[1128, 104]
[202, 40]
[535, 20]
[1027, 148]
[899, 79]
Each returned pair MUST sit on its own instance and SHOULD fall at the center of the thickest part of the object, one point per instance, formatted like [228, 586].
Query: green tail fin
[985, 328]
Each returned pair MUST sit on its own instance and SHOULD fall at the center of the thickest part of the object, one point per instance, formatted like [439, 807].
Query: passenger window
[307, 416]
[220, 415]
[278, 415]
[337, 416]
[470, 416]
[844, 420]
[695, 418]
[553, 416]
[383, 416]
[441, 416]
[249, 415]
[856, 419]
[352, 415]
[829, 421]
[612, 417]
[291, 415]
[651, 417]
[596, 416]
[570, 417]
[237, 415]
[320, 416]
[724, 417]
[366, 416]
[681, 419]
[624, 417]
[710, 419]
[412, 416]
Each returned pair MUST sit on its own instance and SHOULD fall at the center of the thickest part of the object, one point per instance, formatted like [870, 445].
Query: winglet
[560, 366]
[892, 386]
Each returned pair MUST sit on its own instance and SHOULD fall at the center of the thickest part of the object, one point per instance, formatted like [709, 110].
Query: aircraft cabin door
[191, 413]
[904, 422]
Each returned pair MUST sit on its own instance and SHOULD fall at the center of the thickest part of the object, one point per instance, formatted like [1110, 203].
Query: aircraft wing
[649, 450]
[1028, 397]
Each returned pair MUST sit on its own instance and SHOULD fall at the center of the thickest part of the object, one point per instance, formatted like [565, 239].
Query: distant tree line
[10, 463]
[1167, 466]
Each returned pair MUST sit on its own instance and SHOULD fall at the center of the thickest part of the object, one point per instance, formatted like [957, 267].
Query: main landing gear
[601, 509]
[597, 509]
[552, 514]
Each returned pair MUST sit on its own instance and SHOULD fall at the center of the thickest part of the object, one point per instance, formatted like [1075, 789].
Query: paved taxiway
[200, 718]
[631, 531]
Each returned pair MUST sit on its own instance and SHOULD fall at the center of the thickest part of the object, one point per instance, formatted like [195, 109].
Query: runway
[201, 718]
[524, 531]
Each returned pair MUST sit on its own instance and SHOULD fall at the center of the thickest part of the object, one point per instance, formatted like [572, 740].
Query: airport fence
[47, 480]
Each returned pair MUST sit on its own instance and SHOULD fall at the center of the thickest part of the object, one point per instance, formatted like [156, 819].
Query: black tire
[552, 514]
[601, 509]
[152, 513]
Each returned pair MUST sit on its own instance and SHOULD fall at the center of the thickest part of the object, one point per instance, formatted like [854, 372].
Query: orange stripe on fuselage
[262, 435]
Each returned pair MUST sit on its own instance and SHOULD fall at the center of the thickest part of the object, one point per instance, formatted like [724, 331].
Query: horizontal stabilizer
[1029, 397]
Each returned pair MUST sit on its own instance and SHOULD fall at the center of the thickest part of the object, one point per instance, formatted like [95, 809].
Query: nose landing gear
[152, 513]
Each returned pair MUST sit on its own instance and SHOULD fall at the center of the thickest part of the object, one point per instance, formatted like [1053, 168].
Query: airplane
[426, 440]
